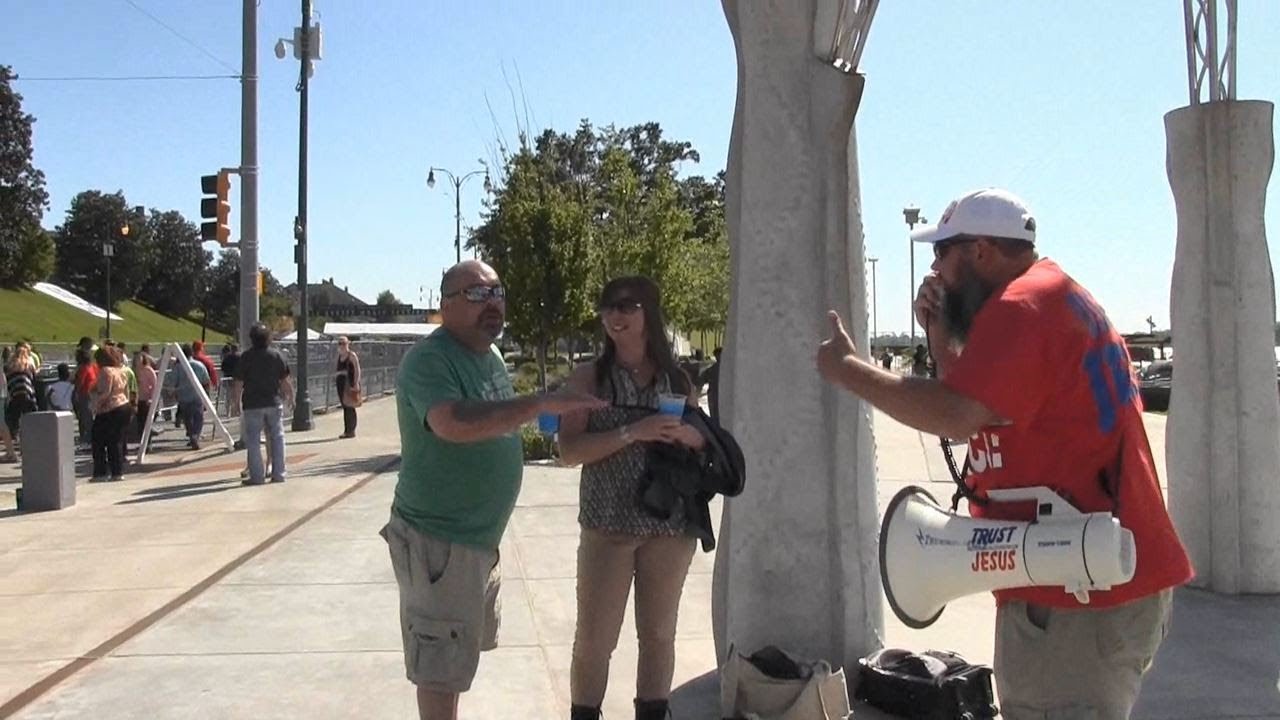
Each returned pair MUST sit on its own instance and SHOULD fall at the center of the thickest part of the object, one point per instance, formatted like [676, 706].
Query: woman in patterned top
[620, 542]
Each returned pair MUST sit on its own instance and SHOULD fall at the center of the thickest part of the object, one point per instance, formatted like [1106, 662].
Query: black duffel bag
[933, 685]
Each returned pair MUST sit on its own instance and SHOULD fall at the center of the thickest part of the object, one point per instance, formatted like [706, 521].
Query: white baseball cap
[990, 212]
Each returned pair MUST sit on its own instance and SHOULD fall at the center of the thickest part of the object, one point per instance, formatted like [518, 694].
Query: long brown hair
[657, 346]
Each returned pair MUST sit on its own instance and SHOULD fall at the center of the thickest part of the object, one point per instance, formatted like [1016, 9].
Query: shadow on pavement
[357, 466]
[1221, 659]
[698, 698]
[177, 492]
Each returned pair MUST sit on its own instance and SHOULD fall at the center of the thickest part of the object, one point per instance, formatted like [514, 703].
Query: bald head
[466, 274]
[472, 307]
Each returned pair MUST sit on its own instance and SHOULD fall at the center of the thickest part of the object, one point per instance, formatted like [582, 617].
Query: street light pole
[457, 200]
[875, 326]
[302, 398]
[912, 216]
[108, 251]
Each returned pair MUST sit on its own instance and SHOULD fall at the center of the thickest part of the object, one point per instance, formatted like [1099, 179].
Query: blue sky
[1061, 102]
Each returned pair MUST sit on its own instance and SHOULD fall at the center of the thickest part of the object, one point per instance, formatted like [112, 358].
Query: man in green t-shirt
[460, 473]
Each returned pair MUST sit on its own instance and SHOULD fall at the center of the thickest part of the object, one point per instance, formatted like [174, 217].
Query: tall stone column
[796, 565]
[1223, 434]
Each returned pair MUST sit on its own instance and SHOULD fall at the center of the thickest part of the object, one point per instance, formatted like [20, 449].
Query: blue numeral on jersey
[1109, 396]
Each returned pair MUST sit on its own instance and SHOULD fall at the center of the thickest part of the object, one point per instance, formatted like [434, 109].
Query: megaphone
[929, 556]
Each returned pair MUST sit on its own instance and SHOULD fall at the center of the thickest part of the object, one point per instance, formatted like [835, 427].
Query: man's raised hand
[835, 351]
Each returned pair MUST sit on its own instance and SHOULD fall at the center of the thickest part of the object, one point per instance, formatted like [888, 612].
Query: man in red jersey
[1033, 373]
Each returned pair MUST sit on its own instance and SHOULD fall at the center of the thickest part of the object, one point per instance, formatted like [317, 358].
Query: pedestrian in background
[5, 436]
[20, 379]
[347, 375]
[146, 373]
[86, 378]
[111, 415]
[230, 359]
[60, 395]
[191, 396]
[261, 383]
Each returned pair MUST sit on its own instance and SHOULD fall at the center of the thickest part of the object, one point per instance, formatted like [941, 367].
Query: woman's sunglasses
[624, 306]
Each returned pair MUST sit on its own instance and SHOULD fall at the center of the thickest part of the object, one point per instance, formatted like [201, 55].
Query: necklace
[633, 370]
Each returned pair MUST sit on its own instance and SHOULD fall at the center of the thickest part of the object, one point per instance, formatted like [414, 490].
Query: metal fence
[379, 361]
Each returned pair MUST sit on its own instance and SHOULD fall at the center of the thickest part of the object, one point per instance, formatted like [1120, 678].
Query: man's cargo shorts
[449, 609]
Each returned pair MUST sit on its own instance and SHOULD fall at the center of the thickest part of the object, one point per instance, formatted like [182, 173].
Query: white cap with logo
[990, 212]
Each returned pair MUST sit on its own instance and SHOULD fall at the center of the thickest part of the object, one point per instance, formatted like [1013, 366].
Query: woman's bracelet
[624, 432]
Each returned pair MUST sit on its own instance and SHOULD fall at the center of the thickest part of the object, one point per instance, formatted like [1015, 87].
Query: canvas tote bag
[773, 684]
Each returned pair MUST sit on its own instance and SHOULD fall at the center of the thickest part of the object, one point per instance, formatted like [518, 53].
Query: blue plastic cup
[548, 423]
[671, 404]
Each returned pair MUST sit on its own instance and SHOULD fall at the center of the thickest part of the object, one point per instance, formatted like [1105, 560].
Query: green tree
[386, 297]
[638, 219]
[181, 265]
[24, 246]
[37, 258]
[545, 260]
[222, 292]
[94, 220]
[222, 297]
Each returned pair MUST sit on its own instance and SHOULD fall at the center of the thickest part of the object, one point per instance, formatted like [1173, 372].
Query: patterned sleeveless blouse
[609, 494]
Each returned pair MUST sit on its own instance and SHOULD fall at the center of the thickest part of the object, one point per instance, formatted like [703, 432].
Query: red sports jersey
[1042, 355]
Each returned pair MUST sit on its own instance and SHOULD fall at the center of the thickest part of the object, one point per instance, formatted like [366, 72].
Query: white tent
[312, 335]
[371, 331]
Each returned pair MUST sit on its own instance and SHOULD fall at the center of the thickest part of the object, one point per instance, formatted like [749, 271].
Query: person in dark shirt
[262, 384]
[231, 358]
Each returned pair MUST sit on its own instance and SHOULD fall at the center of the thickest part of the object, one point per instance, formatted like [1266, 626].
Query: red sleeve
[1005, 359]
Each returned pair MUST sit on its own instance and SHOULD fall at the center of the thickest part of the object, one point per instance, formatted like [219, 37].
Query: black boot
[651, 709]
[583, 712]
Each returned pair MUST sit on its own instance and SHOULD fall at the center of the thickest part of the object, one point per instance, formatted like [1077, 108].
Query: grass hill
[34, 316]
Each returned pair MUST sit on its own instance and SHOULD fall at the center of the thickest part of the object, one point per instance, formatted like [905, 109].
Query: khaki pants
[1055, 664]
[607, 564]
[449, 608]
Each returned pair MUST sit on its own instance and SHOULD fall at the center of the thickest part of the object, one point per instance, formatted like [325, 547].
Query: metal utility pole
[875, 327]
[108, 251]
[302, 399]
[912, 216]
[249, 172]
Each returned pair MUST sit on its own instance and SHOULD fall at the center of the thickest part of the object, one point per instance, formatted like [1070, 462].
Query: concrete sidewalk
[174, 596]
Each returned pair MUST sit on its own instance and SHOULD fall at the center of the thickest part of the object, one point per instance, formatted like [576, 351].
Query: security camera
[280, 49]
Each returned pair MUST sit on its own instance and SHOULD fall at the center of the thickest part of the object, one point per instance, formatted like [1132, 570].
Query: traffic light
[216, 209]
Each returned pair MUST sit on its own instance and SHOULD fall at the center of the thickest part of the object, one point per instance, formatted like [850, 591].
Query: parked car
[1154, 385]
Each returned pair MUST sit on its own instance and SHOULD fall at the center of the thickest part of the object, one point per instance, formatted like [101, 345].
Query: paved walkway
[179, 593]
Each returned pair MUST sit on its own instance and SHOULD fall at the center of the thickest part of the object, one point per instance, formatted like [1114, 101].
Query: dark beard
[961, 305]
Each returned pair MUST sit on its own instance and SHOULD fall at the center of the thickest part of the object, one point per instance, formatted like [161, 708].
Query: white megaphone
[929, 556]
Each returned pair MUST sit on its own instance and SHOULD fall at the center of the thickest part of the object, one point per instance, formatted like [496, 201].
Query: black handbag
[933, 685]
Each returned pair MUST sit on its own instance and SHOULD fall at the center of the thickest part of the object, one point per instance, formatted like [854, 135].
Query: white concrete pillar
[796, 565]
[1223, 435]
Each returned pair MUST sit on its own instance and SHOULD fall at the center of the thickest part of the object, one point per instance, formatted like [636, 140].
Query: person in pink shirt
[146, 372]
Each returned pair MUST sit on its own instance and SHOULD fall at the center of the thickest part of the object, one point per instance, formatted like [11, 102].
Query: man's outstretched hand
[835, 351]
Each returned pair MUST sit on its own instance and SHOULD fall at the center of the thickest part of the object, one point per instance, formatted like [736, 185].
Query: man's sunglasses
[624, 306]
[940, 249]
[480, 293]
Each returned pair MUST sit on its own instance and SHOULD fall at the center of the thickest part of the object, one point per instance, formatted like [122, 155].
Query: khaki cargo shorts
[449, 609]
[1055, 664]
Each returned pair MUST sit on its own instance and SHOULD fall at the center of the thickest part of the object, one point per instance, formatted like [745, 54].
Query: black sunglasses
[480, 293]
[940, 249]
[625, 306]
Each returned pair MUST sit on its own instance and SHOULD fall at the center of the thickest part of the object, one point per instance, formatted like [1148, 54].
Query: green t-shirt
[460, 492]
